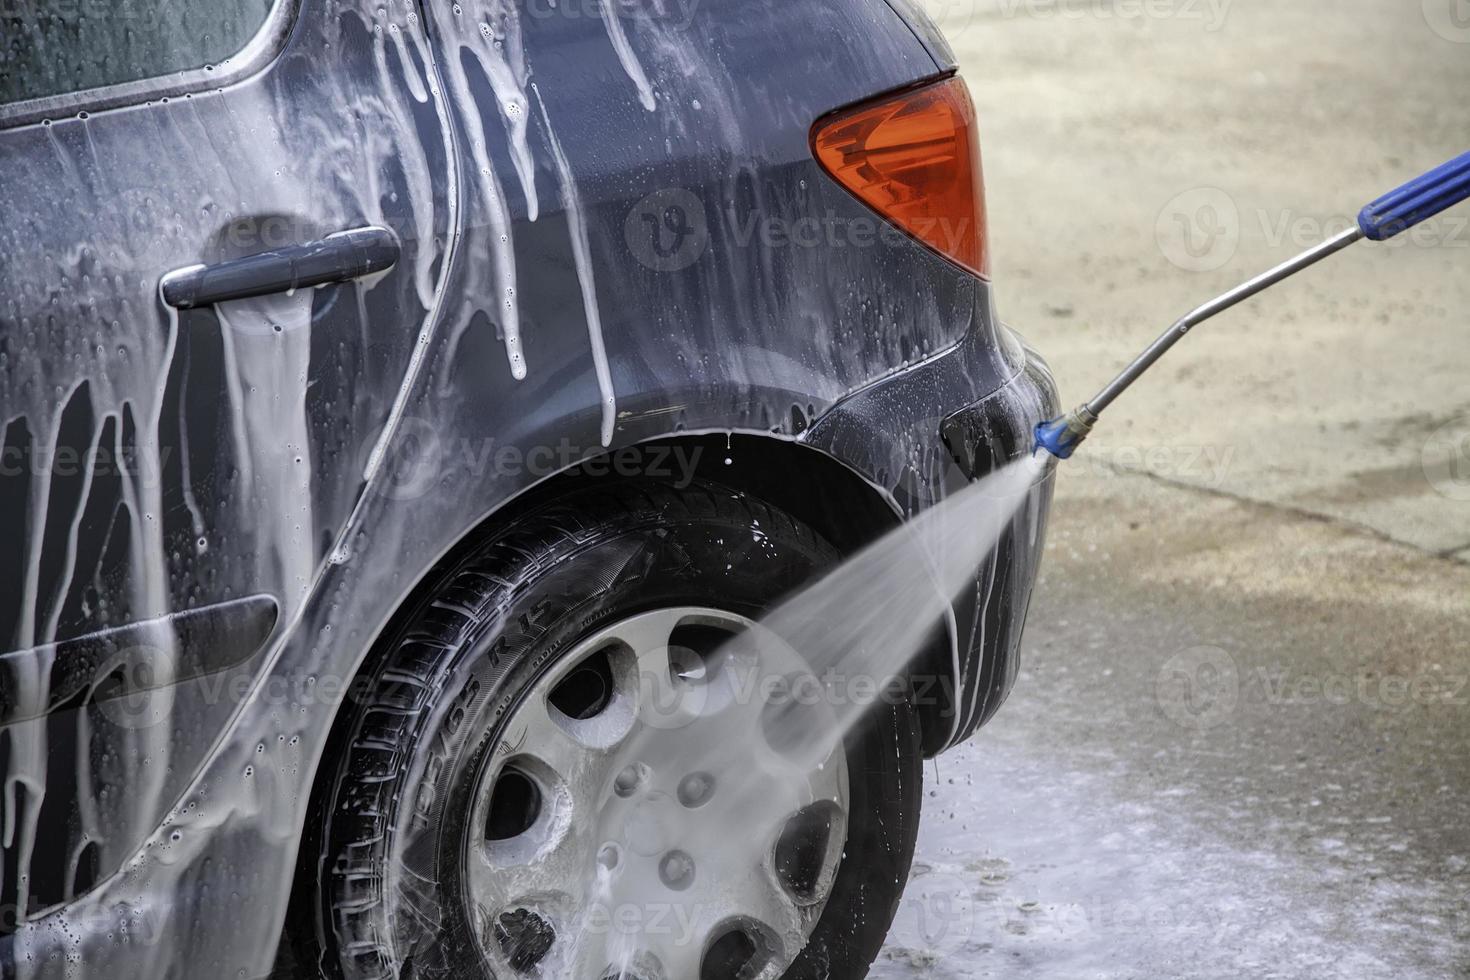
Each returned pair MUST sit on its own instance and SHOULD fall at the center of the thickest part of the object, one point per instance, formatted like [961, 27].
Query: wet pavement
[1240, 744]
[1143, 156]
[1238, 748]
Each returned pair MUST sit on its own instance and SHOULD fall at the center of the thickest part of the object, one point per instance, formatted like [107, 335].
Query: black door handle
[337, 258]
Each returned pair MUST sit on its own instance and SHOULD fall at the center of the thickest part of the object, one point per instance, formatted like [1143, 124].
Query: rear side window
[56, 47]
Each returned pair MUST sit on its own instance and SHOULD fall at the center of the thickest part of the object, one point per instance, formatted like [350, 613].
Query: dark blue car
[397, 399]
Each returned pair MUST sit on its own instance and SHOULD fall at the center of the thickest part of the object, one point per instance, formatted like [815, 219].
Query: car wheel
[573, 762]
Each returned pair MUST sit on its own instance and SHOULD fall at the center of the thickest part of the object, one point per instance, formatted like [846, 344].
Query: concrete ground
[1240, 745]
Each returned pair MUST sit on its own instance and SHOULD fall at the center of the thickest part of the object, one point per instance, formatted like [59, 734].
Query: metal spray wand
[1394, 213]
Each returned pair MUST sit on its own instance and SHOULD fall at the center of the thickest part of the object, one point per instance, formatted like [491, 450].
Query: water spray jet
[1394, 213]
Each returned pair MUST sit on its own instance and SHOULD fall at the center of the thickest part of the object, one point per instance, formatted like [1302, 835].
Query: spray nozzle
[1062, 436]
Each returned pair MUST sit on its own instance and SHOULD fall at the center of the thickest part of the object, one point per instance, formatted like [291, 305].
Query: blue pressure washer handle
[1418, 200]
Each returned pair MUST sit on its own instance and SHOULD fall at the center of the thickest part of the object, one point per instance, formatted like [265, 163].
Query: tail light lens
[914, 157]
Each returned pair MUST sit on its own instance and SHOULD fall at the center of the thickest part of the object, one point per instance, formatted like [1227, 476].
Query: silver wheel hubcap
[642, 816]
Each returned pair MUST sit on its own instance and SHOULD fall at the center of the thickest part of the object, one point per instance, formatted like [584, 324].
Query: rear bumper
[989, 619]
[921, 435]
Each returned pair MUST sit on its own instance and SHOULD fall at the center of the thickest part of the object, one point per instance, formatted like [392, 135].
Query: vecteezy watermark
[938, 917]
[1445, 459]
[263, 233]
[944, 915]
[1289, 229]
[668, 230]
[1211, 13]
[747, 679]
[144, 469]
[1201, 465]
[15, 12]
[1450, 19]
[421, 456]
[678, 14]
[126, 925]
[134, 687]
[956, 16]
[953, 17]
[1203, 687]
[1099, 916]
[1199, 688]
[834, 231]
[1200, 230]
[678, 922]
[1281, 686]
[135, 690]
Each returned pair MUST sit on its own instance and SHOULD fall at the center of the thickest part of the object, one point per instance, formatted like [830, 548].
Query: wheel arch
[811, 485]
[808, 483]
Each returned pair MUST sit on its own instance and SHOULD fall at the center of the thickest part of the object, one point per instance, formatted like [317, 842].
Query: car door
[222, 233]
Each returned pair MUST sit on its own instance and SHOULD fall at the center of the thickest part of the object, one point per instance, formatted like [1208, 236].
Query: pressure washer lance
[1390, 215]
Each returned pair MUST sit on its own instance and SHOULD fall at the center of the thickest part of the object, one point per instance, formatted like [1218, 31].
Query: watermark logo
[143, 470]
[668, 230]
[1446, 459]
[938, 915]
[672, 700]
[1288, 229]
[1203, 687]
[676, 922]
[421, 454]
[955, 16]
[1199, 230]
[1211, 13]
[1206, 465]
[1199, 688]
[1285, 687]
[136, 690]
[414, 460]
[1450, 19]
[124, 924]
[678, 14]
[26, 13]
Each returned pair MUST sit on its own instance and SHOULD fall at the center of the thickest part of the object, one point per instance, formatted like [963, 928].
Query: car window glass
[53, 47]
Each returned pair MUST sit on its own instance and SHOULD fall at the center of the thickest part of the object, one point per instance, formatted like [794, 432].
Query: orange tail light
[914, 157]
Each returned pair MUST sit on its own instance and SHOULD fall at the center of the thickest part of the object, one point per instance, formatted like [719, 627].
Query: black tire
[396, 805]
